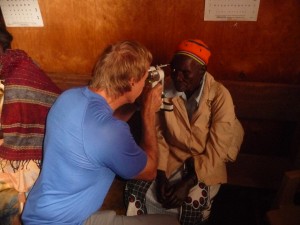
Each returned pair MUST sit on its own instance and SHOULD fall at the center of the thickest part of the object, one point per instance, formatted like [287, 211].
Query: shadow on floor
[236, 205]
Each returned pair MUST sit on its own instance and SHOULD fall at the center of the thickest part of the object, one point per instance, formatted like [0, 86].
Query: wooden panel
[268, 138]
[270, 114]
[257, 171]
[265, 100]
[76, 31]
[66, 81]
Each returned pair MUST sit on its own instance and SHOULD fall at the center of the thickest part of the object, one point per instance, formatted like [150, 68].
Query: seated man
[86, 145]
[26, 96]
[195, 141]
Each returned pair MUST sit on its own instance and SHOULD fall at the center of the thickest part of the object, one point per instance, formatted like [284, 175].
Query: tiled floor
[241, 206]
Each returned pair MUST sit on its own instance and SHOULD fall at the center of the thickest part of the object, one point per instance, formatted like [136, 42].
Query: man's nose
[178, 75]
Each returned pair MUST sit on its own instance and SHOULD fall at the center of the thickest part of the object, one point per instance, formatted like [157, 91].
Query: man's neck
[188, 94]
[114, 103]
[196, 91]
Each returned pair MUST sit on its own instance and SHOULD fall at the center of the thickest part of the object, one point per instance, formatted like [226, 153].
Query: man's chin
[180, 88]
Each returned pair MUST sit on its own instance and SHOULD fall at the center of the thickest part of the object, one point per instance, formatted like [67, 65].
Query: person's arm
[221, 136]
[162, 186]
[151, 103]
[178, 192]
[162, 182]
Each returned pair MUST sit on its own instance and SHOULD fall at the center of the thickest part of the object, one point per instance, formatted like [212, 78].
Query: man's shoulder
[215, 87]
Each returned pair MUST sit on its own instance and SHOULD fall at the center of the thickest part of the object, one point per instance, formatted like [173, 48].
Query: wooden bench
[284, 210]
[270, 115]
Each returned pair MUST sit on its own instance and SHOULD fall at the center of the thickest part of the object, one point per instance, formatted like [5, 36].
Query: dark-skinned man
[195, 142]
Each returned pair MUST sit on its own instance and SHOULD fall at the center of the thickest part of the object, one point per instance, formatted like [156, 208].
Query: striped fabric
[28, 96]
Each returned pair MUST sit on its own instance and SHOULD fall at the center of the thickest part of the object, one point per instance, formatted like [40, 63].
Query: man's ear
[132, 82]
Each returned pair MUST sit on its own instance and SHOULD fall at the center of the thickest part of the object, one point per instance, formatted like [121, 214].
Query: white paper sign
[231, 10]
[21, 13]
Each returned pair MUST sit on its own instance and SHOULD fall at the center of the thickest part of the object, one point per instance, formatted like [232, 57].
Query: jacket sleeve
[163, 148]
[225, 134]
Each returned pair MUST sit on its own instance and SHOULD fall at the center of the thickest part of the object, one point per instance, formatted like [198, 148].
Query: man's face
[186, 73]
[137, 88]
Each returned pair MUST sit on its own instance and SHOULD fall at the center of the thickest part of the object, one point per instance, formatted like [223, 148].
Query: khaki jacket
[213, 136]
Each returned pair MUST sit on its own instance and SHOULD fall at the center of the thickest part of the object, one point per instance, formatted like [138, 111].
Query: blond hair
[118, 65]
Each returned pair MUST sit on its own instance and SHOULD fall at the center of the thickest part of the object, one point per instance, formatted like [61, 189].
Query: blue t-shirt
[84, 148]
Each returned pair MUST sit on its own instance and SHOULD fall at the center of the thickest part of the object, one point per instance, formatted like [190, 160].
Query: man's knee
[105, 217]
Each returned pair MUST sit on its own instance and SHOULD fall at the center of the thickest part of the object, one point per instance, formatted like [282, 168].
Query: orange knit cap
[195, 49]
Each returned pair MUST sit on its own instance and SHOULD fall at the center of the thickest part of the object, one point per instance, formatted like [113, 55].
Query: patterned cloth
[135, 191]
[28, 96]
[140, 198]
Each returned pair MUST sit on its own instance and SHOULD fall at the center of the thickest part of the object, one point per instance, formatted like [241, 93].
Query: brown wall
[76, 31]
[268, 51]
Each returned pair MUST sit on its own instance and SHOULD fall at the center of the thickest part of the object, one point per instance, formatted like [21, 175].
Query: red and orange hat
[195, 49]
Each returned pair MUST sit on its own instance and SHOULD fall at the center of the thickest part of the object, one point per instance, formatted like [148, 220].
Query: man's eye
[186, 73]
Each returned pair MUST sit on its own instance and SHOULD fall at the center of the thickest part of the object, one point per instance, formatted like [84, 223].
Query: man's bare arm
[151, 103]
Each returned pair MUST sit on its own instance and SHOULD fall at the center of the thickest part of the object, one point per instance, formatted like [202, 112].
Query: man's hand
[178, 192]
[151, 99]
[162, 185]
[151, 102]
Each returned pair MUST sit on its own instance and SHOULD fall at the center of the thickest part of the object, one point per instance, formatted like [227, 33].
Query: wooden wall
[263, 57]
[75, 32]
